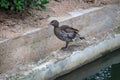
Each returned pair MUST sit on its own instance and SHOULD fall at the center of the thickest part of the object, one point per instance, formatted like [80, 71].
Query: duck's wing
[68, 29]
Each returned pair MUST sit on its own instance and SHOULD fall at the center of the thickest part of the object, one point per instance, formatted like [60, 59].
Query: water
[105, 68]
[109, 73]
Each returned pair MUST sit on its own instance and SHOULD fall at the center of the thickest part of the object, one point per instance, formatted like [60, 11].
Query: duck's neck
[56, 29]
[56, 26]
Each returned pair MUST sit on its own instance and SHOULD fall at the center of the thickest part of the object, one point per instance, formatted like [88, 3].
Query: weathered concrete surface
[100, 66]
[59, 65]
[36, 45]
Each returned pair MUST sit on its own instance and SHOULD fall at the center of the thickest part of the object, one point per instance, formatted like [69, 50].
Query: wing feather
[69, 31]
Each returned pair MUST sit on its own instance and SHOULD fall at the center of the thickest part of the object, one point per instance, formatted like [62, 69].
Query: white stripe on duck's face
[50, 25]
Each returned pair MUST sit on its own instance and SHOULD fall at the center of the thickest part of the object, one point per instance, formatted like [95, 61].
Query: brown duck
[89, 1]
[65, 33]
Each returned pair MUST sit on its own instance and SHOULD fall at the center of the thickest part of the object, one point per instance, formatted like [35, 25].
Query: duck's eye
[52, 23]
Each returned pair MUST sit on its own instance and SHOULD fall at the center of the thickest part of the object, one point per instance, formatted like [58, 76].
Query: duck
[65, 33]
[89, 1]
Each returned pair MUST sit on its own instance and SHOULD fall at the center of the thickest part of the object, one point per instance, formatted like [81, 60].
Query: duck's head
[54, 23]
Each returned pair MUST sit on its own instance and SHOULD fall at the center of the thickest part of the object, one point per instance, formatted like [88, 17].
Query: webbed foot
[63, 48]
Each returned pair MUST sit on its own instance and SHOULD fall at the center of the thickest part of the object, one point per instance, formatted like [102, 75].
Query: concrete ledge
[94, 67]
[54, 68]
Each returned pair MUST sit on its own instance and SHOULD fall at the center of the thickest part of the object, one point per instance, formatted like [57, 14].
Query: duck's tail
[78, 37]
[82, 38]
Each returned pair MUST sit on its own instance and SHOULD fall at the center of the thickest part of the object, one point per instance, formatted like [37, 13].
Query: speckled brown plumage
[89, 1]
[64, 32]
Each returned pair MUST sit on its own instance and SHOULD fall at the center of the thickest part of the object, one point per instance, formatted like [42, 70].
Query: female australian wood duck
[89, 1]
[64, 32]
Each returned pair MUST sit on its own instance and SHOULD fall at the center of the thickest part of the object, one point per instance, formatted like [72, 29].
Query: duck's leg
[65, 45]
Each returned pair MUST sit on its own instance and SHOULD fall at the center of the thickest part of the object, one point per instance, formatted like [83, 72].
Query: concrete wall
[37, 44]
[52, 69]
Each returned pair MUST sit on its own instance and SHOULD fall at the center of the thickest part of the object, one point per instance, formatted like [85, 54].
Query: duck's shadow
[71, 48]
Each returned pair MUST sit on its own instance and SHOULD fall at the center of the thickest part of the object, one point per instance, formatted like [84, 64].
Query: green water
[110, 73]
[105, 68]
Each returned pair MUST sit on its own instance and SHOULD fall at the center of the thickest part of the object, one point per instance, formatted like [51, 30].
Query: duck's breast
[65, 36]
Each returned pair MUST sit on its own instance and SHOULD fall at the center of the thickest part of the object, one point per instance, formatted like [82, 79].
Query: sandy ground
[13, 25]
